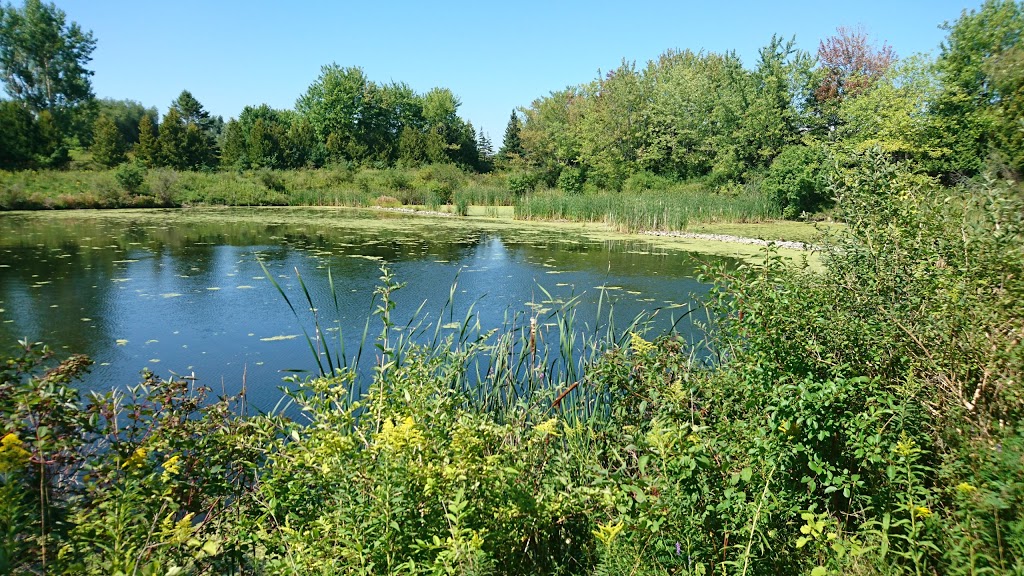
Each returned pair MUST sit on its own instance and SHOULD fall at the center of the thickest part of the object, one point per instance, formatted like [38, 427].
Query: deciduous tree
[43, 59]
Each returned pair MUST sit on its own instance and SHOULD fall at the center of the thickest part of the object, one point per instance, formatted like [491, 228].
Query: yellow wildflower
[546, 428]
[965, 489]
[906, 447]
[638, 344]
[922, 512]
[137, 459]
[398, 437]
[12, 453]
[606, 534]
[171, 468]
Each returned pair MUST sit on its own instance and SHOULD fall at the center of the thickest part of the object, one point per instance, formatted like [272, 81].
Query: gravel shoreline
[696, 236]
[736, 239]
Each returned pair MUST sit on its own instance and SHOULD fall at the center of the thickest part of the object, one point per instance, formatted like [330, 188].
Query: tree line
[685, 115]
[697, 115]
[343, 116]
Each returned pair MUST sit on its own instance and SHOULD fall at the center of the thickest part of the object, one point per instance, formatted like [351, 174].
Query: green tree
[893, 116]
[233, 152]
[126, 114]
[147, 150]
[512, 144]
[108, 147]
[171, 143]
[43, 58]
[199, 145]
[332, 105]
[19, 136]
[975, 114]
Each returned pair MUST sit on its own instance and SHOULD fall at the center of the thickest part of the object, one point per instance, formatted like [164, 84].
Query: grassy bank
[432, 187]
[863, 420]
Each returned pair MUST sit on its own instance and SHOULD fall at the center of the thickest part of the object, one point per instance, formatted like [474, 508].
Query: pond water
[183, 292]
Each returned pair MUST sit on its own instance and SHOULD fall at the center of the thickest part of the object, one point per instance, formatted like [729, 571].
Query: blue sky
[493, 56]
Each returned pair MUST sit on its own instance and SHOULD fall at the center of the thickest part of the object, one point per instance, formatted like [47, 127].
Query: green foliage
[127, 116]
[511, 143]
[131, 176]
[671, 209]
[857, 419]
[797, 180]
[974, 113]
[43, 58]
[571, 180]
[108, 147]
[147, 150]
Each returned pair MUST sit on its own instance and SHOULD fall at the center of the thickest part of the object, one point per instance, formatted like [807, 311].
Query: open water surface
[183, 292]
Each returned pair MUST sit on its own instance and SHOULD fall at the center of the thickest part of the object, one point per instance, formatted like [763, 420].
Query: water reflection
[183, 293]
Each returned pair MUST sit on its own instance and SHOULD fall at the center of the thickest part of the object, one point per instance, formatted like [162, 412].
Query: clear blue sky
[494, 56]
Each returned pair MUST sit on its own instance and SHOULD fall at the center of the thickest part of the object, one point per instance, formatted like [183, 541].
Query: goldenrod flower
[404, 435]
[606, 534]
[12, 453]
[965, 488]
[171, 468]
[922, 512]
[638, 344]
[546, 428]
[137, 459]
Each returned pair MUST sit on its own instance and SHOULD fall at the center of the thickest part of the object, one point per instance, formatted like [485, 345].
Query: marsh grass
[649, 210]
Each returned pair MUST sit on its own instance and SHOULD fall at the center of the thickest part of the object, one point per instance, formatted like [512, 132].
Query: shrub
[571, 180]
[131, 176]
[797, 180]
[387, 201]
[521, 183]
[272, 180]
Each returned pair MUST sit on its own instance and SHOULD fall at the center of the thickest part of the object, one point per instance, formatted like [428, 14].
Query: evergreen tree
[19, 135]
[485, 151]
[483, 143]
[108, 146]
[147, 149]
[171, 142]
[232, 147]
[199, 145]
[512, 145]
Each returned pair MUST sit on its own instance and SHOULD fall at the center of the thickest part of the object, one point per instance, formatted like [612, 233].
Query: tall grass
[648, 210]
[531, 358]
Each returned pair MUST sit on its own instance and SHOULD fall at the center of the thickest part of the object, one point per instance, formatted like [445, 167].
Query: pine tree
[199, 144]
[146, 150]
[512, 146]
[108, 147]
[171, 141]
[483, 143]
[233, 153]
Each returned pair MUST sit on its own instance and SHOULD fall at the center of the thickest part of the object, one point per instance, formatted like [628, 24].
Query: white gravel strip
[411, 211]
[714, 237]
[737, 239]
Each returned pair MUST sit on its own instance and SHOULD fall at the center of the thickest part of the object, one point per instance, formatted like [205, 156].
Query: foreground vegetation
[861, 420]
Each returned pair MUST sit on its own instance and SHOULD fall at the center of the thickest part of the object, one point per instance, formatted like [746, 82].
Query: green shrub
[131, 176]
[521, 183]
[797, 180]
[571, 180]
[272, 180]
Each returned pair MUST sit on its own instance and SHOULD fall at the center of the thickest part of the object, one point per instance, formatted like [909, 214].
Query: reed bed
[648, 210]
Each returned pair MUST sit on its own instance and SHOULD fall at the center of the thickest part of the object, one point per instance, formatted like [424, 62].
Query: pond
[184, 292]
